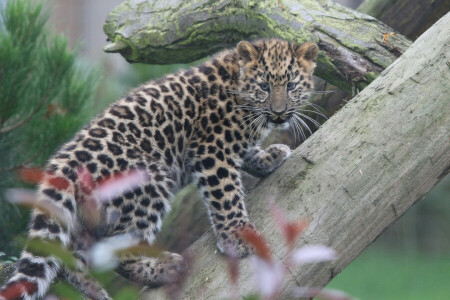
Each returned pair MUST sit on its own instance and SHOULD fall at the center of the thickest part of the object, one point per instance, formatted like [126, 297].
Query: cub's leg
[153, 271]
[141, 213]
[33, 273]
[259, 162]
[88, 286]
[220, 185]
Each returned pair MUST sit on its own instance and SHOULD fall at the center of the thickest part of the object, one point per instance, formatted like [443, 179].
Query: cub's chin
[278, 123]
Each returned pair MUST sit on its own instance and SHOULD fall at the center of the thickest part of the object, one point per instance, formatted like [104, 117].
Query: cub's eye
[291, 86]
[265, 86]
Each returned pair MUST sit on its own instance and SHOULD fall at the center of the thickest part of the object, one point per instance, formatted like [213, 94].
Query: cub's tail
[31, 279]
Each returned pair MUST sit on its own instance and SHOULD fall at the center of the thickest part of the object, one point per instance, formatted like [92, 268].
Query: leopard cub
[203, 123]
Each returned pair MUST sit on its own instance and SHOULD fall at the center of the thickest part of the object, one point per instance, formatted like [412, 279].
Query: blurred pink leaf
[232, 260]
[104, 254]
[119, 184]
[36, 176]
[29, 199]
[255, 239]
[85, 180]
[268, 276]
[313, 253]
[17, 289]
[290, 230]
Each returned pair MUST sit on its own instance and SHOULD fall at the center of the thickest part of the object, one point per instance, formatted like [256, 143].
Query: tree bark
[410, 17]
[355, 176]
[162, 32]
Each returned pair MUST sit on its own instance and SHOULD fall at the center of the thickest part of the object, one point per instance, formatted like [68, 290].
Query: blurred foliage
[379, 273]
[45, 96]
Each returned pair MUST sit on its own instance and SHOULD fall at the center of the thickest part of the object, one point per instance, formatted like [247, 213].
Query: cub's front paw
[231, 242]
[279, 153]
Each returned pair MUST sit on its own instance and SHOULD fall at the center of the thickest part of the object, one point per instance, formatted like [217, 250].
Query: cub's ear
[247, 51]
[308, 51]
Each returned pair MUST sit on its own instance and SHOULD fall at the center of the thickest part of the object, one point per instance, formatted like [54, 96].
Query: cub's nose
[279, 110]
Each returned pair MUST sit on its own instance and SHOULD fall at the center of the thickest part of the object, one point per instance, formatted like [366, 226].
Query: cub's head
[275, 78]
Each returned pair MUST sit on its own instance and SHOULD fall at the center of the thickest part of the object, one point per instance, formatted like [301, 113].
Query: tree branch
[164, 32]
[356, 175]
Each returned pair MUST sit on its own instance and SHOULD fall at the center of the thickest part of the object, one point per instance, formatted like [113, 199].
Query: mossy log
[165, 32]
[355, 176]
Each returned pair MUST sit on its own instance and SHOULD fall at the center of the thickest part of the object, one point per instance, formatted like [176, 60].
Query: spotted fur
[201, 124]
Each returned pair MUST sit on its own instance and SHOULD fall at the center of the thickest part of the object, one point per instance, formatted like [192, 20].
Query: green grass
[386, 274]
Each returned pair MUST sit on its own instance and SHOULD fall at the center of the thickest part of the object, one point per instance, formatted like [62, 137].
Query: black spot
[106, 160]
[116, 150]
[134, 130]
[145, 201]
[68, 204]
[177, 89]
[146, 145]
[153, 218]
[98, 132]
[127, 208]
[227, 205]
[142, 224]
[220, 156]
[159, 138]
[52, 194]
[228, 136]
[228, 188]
[83, 156]
[54, 228]
[140, 212]
[218, 129]
[235, 200]
[180, 144]
[118, 138]
[151, 190]
[216, 205]
[224, 74]
[125, 219]
[154, 93]
[122, 164]
[211, 149]
[162, 190]
[70, 174]
[236, 148]
[145, 119]
[92, 167]
[222, 172]
[219, 144]
[122, 111]
[208, 163]
[168, 131]
[218, 194]
[40, 222]
[108, 123]
[213, 180]
[117, 201]
[237, 135]
[205, 69]
[159, 206]
[29, 268]
[230, 215]
[168, 157]
[132, 153]
[122, 127]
